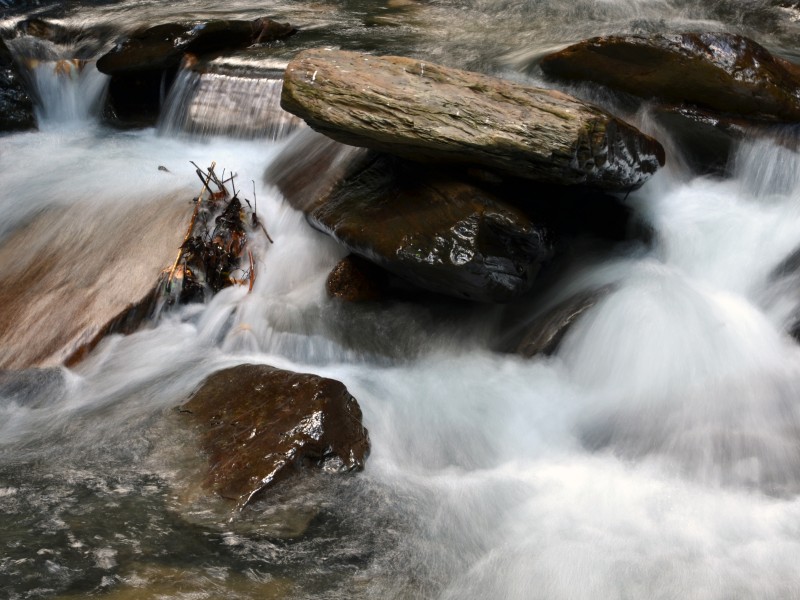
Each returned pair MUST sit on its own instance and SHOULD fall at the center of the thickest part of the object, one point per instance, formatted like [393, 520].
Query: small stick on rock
[252, 271]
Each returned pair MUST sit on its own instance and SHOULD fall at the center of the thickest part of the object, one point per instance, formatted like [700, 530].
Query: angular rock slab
[441, 234]
[428, 112]
[259, 424]
[717, 71]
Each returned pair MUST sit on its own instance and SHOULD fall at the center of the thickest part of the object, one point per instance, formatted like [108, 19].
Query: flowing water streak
[69, 92]
[655, 456]
[206, 104]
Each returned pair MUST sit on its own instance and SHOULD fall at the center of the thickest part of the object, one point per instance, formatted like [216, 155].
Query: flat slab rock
[428, 112]
[718, 71]
[259, 424]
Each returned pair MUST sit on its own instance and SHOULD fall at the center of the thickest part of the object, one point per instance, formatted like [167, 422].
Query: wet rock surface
[427, 112]
[85, 269]
[543, 335]
[438, 232]
[144, 66]
[259, 425]
[16, 106]
[163, 46]
[354, 279]
[211, 100]
[721, 72]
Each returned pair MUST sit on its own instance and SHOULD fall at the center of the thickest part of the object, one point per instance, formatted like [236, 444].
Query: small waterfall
[68, 92]
[237, 106]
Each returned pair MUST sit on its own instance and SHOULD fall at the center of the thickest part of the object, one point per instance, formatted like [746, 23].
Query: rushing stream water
[656, 455]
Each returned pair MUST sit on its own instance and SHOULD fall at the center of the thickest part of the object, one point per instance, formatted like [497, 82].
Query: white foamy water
[656, 455]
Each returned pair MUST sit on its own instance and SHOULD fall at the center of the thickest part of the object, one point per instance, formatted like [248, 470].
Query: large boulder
[721, 72]
[259, 424]
[16, 106]
[434, 230]
[427, 112]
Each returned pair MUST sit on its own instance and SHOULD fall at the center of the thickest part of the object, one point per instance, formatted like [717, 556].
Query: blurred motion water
[656, 455]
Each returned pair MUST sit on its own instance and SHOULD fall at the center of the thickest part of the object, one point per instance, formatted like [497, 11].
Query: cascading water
[69, 92]
[237, 106]
[656, 455]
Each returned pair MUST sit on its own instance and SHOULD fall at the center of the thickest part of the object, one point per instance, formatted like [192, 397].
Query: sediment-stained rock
[71, 271]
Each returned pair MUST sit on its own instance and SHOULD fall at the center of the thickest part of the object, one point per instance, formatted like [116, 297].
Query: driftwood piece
[428, 112]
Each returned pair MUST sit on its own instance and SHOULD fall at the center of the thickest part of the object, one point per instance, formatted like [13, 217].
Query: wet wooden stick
[256, 220]
[190, 229]
[252, 271]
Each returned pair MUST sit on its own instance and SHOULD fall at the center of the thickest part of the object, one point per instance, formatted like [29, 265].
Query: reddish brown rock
[433, 230]
[259, 425]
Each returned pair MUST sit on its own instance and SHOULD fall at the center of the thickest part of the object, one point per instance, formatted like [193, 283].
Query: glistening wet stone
[259, 424]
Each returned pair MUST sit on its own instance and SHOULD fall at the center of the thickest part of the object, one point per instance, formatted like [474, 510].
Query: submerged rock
[354, 279]
[720, 72]
[543, 335]
[215, 102]
[429, 228]
[16, 106]
[70, 272]
[427, 112]
[260, 424]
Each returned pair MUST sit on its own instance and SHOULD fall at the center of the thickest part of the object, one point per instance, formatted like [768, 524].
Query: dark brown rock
[706, 139]
[145, 64]
[426, 112]
[434, 230]
[163, 46]
[259, 424]
[713, 71]
[16, 106]
[354, 279]
[135, 97]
